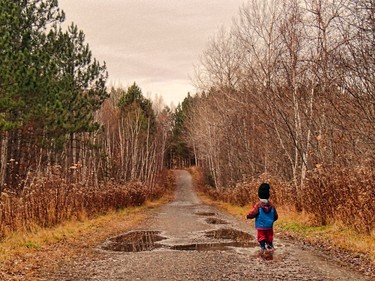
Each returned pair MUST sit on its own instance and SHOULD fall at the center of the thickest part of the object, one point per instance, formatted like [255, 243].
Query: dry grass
[19, 243]
[47, 202]
[329, 196]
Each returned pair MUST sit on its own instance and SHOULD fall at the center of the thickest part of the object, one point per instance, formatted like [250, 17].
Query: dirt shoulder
[356, 261]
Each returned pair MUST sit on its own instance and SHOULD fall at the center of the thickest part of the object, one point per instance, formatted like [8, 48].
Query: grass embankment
[300, 226]
[25, 254]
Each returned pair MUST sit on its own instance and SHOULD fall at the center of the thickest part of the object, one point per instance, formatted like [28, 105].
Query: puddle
[134, 241]
[220, 246]
[232, 234]
[206, 246]
[137, 241]
[236, 238]
[269, 256]
[206, 214]
[215, 221]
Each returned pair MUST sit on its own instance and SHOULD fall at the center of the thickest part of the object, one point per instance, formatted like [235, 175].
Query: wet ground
[187, 240]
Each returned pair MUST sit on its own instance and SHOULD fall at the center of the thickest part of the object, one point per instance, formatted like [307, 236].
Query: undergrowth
[21, 243]
[300, 225]
[49, 202]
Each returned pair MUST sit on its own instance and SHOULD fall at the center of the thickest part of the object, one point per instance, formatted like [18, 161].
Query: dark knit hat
[264, 191]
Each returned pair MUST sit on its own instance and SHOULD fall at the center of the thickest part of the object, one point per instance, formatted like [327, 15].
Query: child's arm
[254, 212]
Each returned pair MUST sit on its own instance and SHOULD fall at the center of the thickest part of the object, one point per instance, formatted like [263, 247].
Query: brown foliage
[330, 195]
[342, 194]
[48, 202]
[246, 192]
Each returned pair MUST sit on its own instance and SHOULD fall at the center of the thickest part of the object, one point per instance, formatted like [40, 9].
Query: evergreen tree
[179, 151]
[80, 81]
[24, 64]
[133, 99]
[50, 85]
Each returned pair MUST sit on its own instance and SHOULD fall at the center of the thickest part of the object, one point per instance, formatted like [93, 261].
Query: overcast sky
[154, 43]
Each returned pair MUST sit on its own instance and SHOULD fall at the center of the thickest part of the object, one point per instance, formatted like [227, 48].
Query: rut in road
[188, 240]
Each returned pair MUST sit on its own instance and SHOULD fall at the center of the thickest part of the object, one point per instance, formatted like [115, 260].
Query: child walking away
[265, 215]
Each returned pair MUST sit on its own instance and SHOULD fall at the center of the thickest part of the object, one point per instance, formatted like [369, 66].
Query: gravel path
[187, 240]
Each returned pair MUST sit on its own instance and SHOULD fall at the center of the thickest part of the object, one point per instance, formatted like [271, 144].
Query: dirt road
[187, 240]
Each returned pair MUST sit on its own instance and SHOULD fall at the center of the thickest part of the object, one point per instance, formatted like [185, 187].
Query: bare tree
[275, 79]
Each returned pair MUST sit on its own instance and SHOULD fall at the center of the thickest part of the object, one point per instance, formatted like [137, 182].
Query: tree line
[288, 90]
[58, 118]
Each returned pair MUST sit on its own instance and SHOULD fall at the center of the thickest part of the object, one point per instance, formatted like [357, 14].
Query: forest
[286, 95]
[70, 147]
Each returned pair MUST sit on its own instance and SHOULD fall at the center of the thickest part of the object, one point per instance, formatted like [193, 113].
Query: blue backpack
[265, 220]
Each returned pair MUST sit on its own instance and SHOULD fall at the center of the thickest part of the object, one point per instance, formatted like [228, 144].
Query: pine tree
[179, 151]
[133, 99]
[50, 85]
[24, 74]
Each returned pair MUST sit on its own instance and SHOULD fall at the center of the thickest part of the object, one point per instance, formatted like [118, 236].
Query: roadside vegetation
[38, 244]
[47, 203]
[334, 235]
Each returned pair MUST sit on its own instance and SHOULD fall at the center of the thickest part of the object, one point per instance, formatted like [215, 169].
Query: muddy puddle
[232, 234]
[220, 246]
[218, 240]
[134, 241]
[235, 238]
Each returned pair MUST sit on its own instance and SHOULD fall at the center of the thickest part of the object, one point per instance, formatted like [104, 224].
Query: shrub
[330, 195]
[49, 201]
[343, 195]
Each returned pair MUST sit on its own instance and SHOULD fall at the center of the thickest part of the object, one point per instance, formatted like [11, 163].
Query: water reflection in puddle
[220, 246]
[134, 241]
[137, 241]
[230, 233]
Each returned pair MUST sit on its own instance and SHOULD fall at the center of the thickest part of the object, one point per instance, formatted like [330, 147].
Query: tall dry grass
[330, 195]
[47, 202]
[342, 195]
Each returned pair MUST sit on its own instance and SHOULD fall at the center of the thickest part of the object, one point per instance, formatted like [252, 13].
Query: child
[265, 215]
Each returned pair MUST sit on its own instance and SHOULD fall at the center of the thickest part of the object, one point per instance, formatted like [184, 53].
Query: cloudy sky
[154, 43]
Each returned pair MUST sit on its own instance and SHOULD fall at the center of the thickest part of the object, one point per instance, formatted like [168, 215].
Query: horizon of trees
[287, 89]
